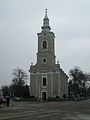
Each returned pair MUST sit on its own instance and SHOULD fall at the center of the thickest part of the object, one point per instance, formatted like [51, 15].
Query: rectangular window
[44, 81]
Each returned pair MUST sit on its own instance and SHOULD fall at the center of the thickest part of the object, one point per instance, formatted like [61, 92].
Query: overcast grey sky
[21, 20]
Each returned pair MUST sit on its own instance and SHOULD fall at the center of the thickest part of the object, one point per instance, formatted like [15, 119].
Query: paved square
[69, 110]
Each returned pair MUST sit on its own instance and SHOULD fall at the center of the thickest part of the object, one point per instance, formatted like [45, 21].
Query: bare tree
[77, 83]
[18, 82]
[19, 76]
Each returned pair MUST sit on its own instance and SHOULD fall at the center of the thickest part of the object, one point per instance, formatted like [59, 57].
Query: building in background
[47, 79]
[1, 92]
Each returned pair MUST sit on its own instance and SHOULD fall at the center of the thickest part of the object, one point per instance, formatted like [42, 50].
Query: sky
[21, 20]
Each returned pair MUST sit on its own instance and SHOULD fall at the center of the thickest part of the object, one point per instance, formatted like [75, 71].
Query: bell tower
[46, 52]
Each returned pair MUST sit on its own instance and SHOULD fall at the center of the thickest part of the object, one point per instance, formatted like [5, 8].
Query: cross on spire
[46, 11]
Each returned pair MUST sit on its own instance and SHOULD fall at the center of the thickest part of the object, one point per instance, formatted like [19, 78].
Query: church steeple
[46, 52]
[46, 26]
[46, 13]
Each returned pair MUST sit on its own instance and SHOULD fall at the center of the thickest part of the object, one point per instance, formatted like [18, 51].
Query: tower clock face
[44, 60]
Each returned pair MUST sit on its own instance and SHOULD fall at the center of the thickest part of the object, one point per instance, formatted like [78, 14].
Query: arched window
[44, 44]
[44, 81]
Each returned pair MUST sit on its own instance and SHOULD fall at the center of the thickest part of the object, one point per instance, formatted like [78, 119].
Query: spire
[46, 13]
[46, 26]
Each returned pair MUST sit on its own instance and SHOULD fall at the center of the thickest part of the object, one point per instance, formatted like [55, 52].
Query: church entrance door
[44, 95]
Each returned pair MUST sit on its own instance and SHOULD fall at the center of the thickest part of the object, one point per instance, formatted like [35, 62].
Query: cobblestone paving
[74, 110]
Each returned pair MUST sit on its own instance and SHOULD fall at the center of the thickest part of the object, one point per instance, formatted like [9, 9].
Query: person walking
[7, 100]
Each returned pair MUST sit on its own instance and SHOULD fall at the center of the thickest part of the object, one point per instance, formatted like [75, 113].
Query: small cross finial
[46, 11]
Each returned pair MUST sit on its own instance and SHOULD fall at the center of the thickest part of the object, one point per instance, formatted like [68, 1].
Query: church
[47, 79]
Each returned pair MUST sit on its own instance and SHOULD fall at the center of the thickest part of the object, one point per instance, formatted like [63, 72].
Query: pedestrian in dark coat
[7, 100]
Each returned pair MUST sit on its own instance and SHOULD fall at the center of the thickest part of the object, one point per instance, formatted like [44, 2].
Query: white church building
[47, 79]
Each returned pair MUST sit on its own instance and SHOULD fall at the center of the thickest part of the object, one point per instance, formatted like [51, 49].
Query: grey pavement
[68, 110]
